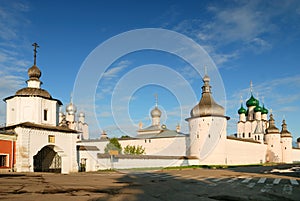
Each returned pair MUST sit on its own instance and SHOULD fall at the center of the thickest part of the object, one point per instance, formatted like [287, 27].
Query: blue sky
[247, 40]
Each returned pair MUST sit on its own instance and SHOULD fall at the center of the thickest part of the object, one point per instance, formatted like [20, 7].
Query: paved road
[255, 183]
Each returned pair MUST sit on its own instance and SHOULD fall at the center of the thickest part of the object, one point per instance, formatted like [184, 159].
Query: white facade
[41, 144]
[31, 109]
[32, 139]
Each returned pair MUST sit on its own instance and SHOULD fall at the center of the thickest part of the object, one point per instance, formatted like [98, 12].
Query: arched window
[243, 135]
[258, 137]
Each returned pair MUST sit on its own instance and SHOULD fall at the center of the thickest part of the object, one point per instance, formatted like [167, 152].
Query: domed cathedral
[253, 121]
[254, 124]
[69, 120]
[33, 116]
[207, 126]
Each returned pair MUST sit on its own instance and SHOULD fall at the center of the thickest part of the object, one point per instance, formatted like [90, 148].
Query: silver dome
[207, 106]
[155, 112]
[71, 109]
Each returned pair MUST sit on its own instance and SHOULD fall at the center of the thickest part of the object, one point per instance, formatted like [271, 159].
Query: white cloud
[247, 23]
[114, 71]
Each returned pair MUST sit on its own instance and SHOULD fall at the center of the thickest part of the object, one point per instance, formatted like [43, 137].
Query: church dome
[155, 112]
[34, 72]
[257, 109]
[207, 106]
[264, 110]
[242, 110]
[252, 102]
[81, 114]
[71, 108]
[28, 91]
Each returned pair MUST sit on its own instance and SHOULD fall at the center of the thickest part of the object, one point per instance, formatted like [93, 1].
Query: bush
[134, 150]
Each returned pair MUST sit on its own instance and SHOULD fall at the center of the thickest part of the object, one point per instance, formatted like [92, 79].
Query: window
[45, 115]
[3, 161]
[243, 135]
[258, 137]
[51, 139]
[249, 134]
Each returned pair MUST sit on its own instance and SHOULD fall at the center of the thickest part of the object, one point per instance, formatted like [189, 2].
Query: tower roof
[272, 129]
[284, 132]
[207, 105]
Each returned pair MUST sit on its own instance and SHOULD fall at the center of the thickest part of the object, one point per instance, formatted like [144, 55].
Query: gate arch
[48, 159]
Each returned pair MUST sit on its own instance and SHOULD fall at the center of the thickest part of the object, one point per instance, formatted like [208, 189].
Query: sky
[240, 42]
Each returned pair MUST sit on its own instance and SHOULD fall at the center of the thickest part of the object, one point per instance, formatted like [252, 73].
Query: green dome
[252, 102]
[264, 110]
[242, 110]
[257, 109]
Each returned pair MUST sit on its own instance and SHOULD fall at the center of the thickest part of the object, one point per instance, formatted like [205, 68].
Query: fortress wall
[243, 152]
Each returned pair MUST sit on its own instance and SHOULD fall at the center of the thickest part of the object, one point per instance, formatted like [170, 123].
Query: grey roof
[40, 126]
[151, 128]
[166, 133]
[87, 148]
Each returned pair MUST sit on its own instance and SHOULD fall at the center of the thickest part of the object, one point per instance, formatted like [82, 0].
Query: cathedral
[39, 137]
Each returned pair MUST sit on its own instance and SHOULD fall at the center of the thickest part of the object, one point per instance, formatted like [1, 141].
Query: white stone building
[41, 144]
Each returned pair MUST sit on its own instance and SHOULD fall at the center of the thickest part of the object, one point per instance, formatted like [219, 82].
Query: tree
[134, 150]
[113, 145]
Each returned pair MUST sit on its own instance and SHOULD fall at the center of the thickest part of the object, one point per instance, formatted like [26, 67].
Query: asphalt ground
[238, 183]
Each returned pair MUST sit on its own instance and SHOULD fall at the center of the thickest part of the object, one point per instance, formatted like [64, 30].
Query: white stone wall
[105, 163]
[31, 109]
[173, 146]
[30, 141]
[241, 152]
[296, 155]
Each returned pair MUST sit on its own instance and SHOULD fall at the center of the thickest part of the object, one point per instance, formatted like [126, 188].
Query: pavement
[240, 183]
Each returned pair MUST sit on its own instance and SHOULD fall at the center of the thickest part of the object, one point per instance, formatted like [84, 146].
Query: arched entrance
[47, 160]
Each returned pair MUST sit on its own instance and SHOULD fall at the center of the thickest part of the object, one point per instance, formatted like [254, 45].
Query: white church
[46, 139]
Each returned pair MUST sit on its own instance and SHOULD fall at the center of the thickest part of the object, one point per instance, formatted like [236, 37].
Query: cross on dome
[35, 45]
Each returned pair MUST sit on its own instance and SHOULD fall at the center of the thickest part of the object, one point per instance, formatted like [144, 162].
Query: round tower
[286, 144]
[273, 139]
[207, 126]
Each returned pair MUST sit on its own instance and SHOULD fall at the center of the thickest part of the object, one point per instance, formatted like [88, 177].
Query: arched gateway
[48, 159]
